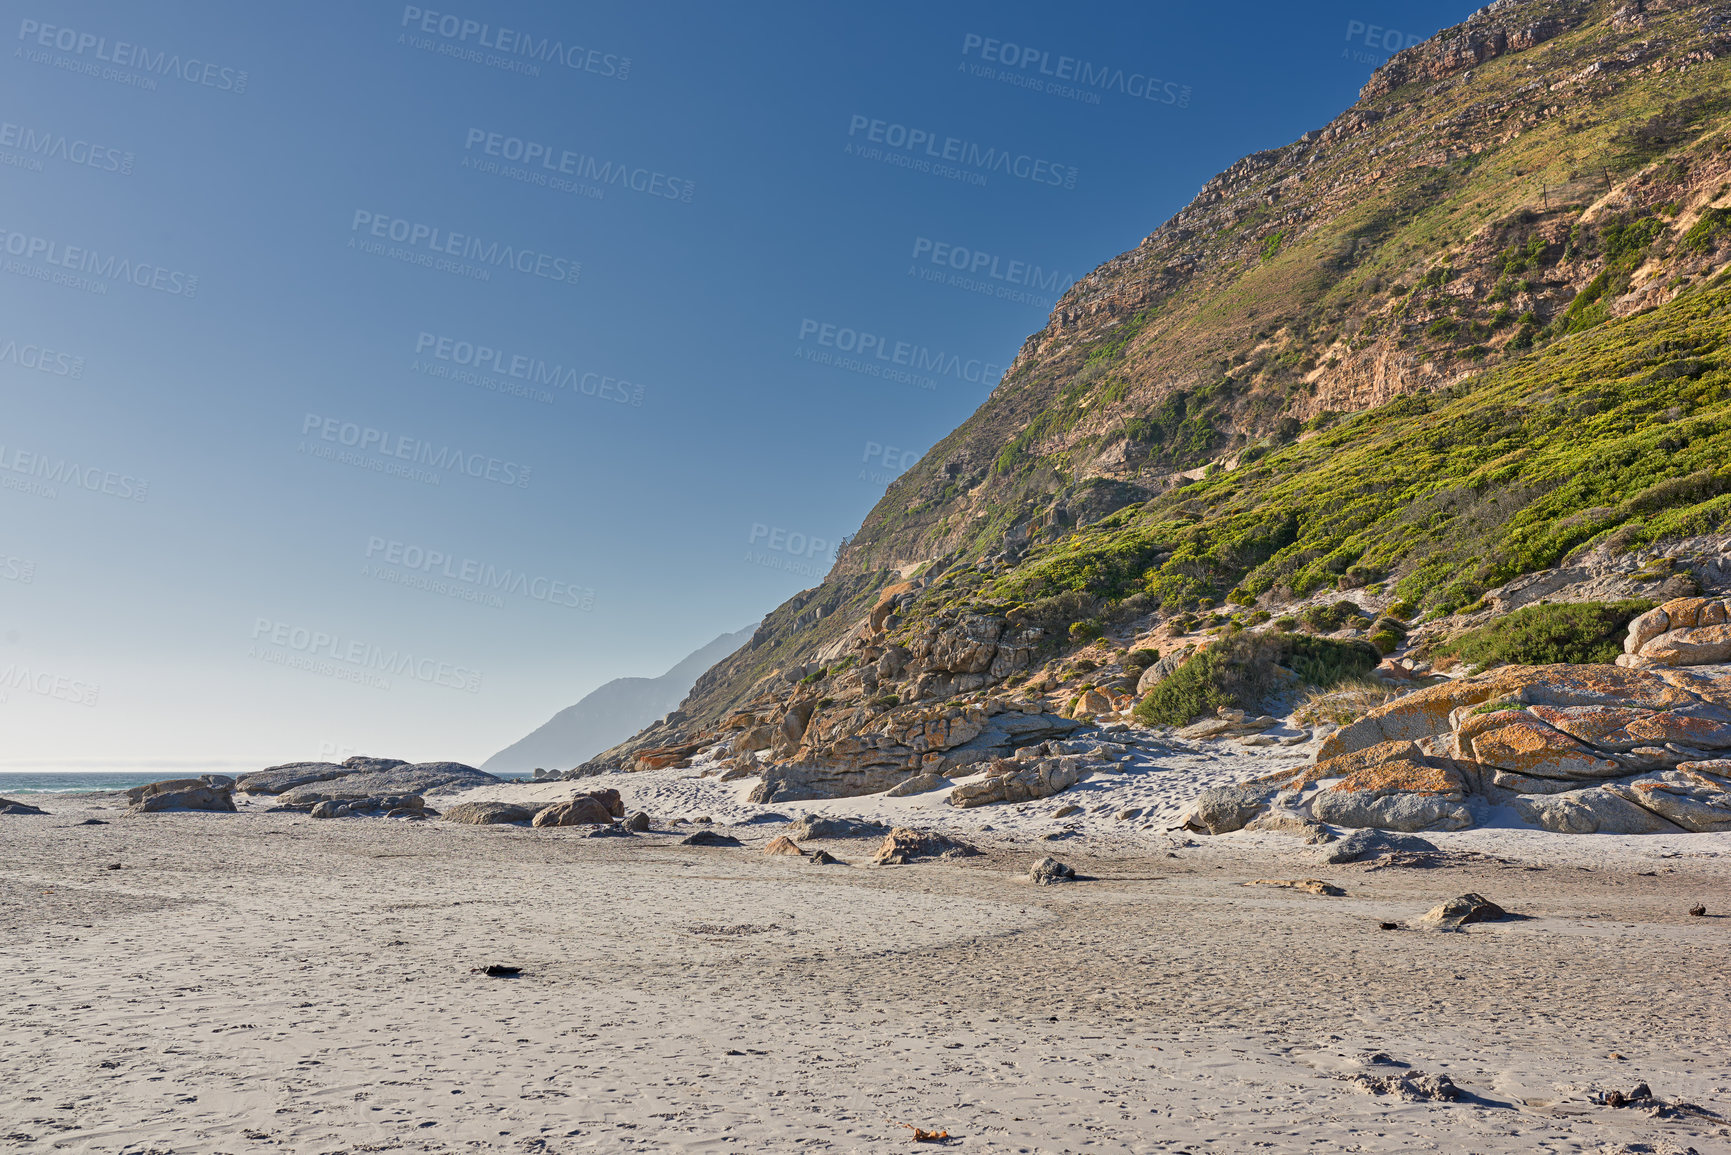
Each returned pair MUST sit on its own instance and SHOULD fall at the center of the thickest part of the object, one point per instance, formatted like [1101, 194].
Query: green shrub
[1244, 669]
[1323, 619]
[1141, 659]
[1579, 632]
[1085, 630]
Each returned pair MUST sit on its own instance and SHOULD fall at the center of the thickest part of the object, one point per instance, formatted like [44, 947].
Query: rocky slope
[1508, 259]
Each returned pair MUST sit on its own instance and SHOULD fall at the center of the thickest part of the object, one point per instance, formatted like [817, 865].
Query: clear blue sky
[222, 499]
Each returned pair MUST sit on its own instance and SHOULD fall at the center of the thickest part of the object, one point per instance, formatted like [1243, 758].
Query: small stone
[1388, 926]
[825, 858]
[1066, 810]
[1127, 815]
[1698, 910]
[782, 844]
[326, 809]
[638, 823]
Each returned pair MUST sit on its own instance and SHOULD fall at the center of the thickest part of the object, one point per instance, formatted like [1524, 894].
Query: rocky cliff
[1469, 329]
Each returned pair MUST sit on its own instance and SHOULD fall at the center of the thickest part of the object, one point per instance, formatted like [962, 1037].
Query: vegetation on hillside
[1578, 632]
[1244, 669]
[1621, 435]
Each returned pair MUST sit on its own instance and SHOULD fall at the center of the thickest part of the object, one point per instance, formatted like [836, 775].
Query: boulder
[782, 844]
[1289, 822]
[638, 823]
[8, 806]
[1363, 844]
[709, 838]
[1457, 912]
[903, 845]
[276, 779]
[422, 778]
[213, 792]
[1049, 871]
[367, 764]
[1682, 632]
[488, 813]
[1010, 780]
[822, 826]
[1595, 810]
[1695, 801]
[1223, 809]
[583, 810]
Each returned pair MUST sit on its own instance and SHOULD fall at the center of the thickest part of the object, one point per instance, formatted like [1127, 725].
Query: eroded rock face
[1404, 794]
[847, 753]
[1629, 749]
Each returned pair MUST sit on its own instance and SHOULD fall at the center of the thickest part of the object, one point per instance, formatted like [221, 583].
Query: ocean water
[83, 782]
[61, 783]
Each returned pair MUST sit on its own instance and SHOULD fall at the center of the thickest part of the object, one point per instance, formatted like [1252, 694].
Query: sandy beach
[264, 981]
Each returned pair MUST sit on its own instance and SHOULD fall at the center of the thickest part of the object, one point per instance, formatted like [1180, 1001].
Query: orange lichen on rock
[1404, 776]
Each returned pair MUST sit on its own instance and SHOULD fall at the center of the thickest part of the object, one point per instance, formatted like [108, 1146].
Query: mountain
[609, 714]
[1472, 328]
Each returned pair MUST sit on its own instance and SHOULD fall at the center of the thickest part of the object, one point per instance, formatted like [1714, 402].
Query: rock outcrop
[863, 751]
[583, 810]
[8, 806]
[303, 785]
[904, 844]
[1019, 780]
[1640, 747]
[214, 792]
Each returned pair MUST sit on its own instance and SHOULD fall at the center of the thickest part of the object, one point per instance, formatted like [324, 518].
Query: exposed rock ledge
[1640, 747]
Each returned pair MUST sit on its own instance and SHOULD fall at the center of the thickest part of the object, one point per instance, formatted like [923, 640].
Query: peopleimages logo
[96, 270]
[17, 569]
[546, 165]
[1033, 65]
[465, 578]
[953, 157]
[879, 356]
[33, 146]
[1379, 43]
[426, 242]
[353, 660]
[48, 685]
[1022, 282]
[89, 47]
[40, 358]
[534, 371]
[519, 51]
[378, 450]
[44, 473]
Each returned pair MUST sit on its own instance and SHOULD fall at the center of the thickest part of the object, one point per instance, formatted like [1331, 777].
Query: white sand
[263, 982]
